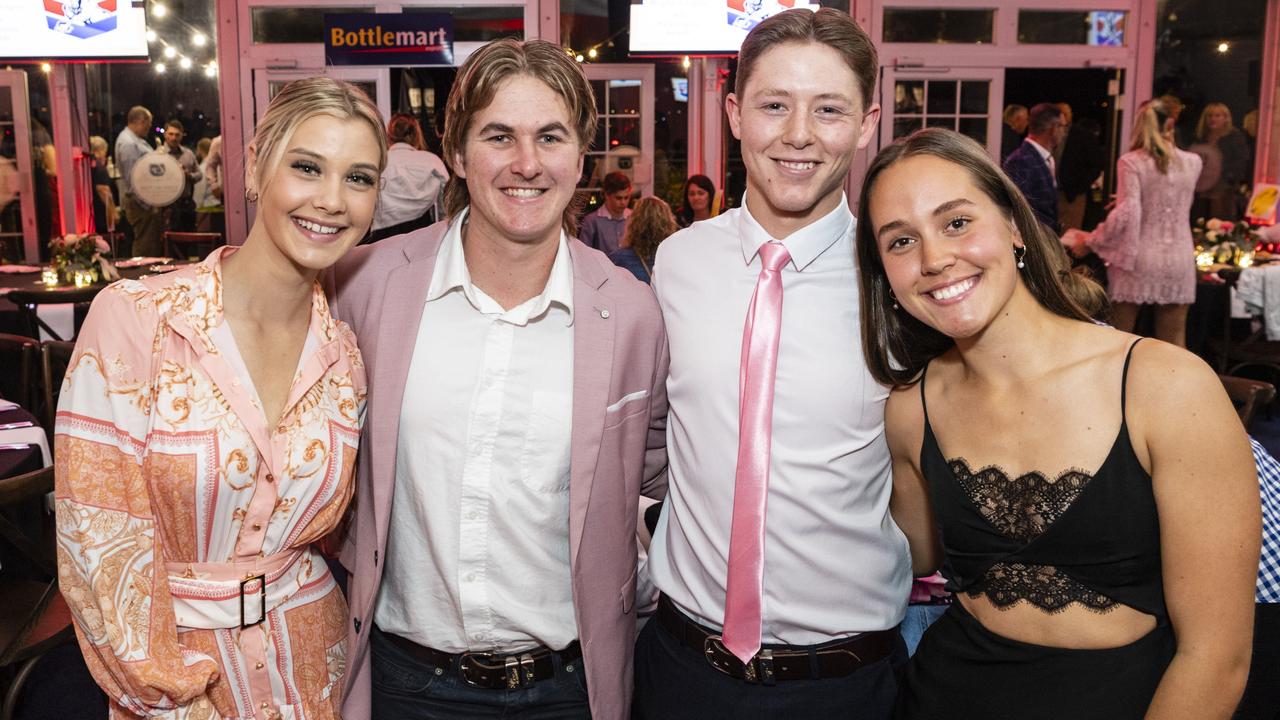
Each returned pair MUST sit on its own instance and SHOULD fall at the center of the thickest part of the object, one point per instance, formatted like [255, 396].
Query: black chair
[1248, 396]
[188, 245]
[18, 355]
[35, 617]
[55, 357]
[28, 302]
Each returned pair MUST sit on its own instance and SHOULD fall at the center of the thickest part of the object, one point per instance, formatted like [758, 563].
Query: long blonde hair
[1202, 125]
[1149, 135]
[650, 223]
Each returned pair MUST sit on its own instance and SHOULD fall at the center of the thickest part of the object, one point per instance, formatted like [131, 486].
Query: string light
[159, 10]
[199, 39]
[210, 70]
[151, 36]
[685, 62]
[579, 57]
[46, 67]
[170, 52]
[160, 68]
[592, 53]
[1223, 47]
[185, 63]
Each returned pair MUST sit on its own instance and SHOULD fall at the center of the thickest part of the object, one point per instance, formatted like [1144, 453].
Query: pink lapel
[594, 320]
[398, 321]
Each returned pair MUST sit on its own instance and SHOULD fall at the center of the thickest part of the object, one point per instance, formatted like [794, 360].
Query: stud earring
[1018, 252]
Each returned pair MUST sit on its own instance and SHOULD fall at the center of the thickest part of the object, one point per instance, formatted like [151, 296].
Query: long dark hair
[897, 345]
[685, 214]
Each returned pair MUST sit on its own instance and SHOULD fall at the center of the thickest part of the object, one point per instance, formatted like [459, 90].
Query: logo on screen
[80, 18]
[746, 14]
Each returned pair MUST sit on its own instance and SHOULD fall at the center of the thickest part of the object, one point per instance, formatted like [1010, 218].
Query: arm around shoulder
[1206, 493]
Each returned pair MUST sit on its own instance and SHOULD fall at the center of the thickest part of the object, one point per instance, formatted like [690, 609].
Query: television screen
[699, 27]
[1106, 27]
[680, 89]
[73, 30]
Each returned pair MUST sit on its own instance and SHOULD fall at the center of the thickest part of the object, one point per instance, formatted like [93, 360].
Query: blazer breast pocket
[625, 407]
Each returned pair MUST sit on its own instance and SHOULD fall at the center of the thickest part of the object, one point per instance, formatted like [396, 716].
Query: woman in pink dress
[206, 438]
[1146, 239]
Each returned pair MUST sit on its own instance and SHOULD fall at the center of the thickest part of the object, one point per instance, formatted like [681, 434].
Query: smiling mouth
[315, 227]
[953, 290]
[523, 193]
[798, 165]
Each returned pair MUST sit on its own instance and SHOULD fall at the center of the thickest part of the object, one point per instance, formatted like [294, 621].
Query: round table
[17, 462]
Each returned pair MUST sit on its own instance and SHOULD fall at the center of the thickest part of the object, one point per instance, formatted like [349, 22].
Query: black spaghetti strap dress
[1091, 539]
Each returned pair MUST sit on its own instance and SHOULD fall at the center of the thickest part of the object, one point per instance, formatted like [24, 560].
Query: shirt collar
[603, 211]
[1044, 154]
[451, 274]
[804, 245]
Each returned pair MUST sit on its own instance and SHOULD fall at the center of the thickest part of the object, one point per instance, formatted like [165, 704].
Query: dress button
[257, 526]
[259, 665]
[271, 478]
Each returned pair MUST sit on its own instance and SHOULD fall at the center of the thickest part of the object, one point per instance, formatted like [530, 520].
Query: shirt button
[471, 577]
[473, 515]
[604, 314]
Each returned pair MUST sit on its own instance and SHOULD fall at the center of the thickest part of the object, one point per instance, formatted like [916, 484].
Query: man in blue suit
[1031, 165]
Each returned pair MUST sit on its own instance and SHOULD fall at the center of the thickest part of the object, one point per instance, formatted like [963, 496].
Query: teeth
[951, 291]
[316, 227]
[523, 192]
[797, 165]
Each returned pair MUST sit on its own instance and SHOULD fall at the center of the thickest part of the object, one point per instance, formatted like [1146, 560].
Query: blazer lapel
[398, 321]
[594, 321]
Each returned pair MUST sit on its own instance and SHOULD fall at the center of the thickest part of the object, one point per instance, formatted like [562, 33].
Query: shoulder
[904, 420]
[619, 285]
[1168, 387]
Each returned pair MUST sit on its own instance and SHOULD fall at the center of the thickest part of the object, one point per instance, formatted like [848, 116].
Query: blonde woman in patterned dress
[206, 437]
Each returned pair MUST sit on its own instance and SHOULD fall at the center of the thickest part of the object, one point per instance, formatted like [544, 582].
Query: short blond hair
[1202, 125]
[476, 86]
[298, 102]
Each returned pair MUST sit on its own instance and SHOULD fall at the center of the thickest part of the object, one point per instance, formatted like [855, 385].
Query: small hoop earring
[1018, 252]
[251, 195]
[893, 298]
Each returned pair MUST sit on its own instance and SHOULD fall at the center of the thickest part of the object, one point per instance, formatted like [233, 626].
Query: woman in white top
[412, 181]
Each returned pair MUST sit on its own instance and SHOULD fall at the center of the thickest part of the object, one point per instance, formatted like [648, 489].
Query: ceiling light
[1223, 47]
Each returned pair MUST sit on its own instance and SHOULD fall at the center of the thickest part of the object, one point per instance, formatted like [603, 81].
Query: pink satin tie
[751, 486]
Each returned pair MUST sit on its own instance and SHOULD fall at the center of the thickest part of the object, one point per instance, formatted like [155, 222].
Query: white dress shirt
[411, 183]
[835, 564]
[478, 550]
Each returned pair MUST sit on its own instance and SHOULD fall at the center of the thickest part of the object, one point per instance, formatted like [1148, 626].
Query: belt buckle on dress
[262, 594]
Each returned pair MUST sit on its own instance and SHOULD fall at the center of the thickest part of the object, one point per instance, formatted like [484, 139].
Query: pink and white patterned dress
[1146, 239]
[182, 516]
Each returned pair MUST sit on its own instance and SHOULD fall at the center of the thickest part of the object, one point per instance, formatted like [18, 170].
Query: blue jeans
[917, 620]
[405, 688]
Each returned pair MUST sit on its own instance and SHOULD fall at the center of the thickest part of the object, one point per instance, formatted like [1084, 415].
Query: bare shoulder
[904, 421]
[1164, 377]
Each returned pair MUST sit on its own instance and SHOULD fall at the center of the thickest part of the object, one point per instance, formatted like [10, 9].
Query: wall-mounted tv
[699, 27]
[73, 30]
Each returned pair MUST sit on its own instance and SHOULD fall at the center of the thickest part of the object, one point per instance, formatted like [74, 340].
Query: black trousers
[673, 682]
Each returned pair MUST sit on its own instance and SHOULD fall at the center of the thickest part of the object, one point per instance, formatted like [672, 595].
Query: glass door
[18, 237]
[966, 100]
[624, 135]
[375, 81]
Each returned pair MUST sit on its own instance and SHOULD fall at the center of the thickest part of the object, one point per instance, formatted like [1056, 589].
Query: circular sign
[157, 179]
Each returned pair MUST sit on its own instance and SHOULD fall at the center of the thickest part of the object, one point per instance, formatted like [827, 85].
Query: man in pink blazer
[517, 411]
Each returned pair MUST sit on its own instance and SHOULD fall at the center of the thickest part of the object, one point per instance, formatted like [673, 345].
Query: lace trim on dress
[1023, 508]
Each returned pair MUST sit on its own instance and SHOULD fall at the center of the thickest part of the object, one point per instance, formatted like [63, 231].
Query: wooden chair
[35, 618]
[18, 380]
[55, 356]
[180, 245]
[1248, 395]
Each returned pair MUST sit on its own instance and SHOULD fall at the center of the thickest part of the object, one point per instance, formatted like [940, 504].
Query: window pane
[942, 122]
[938, 26]
[624, 131]
[598, 89]
[975, 128]
[942, 97]
[480, 24]
[973, 96]
[905, 126]
[908, 97]
[293, 25]
[1066, 27]
[624, 97]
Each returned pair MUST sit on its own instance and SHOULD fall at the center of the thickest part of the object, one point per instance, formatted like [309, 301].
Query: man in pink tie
[783, 576]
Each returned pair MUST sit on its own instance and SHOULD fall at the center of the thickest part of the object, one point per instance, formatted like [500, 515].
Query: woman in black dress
[1095, 495]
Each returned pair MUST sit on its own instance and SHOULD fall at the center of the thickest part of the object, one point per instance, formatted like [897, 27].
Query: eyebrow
[507, 129]
[313, 154]
[780, 92]
[942, 209]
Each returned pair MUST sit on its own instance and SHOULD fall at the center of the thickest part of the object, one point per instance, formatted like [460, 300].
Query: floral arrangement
[83, 253]
[1224, 241]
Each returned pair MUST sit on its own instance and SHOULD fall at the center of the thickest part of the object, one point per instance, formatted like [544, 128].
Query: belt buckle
[262, 594]
[758, 670]
[518, 671]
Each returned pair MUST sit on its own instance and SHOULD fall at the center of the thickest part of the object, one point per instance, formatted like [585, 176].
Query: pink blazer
[619, 348]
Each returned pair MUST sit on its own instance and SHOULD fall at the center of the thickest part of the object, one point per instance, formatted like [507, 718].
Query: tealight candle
[82, 279]
[49, 276]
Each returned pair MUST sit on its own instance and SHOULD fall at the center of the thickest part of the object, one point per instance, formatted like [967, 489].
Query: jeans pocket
[394, 672]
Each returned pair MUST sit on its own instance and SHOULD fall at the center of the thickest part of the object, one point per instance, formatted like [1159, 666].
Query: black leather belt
[777, 663]
[493, 671]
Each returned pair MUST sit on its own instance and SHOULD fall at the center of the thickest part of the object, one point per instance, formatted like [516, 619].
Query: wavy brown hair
[650, 223]
[897, 345]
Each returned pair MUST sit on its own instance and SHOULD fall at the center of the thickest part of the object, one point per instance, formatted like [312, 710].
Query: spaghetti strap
[924, 405]
[1124, 379]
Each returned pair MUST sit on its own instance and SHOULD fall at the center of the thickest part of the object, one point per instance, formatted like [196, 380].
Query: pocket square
[629, 397]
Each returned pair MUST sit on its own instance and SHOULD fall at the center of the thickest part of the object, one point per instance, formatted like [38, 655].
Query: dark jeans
[673, 682]
[405, 688]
